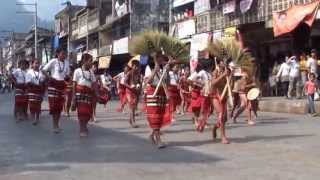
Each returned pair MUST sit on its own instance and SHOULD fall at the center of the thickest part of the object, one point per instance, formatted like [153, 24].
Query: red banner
[286, 21]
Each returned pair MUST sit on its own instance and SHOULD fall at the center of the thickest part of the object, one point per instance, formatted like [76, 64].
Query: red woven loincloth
[35, 96]
[174, 97]
[56, 96]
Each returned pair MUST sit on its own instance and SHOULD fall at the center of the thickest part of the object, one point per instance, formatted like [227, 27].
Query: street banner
[121, 46]
[177, 3]
[245, 5]
[104, 62]
[186, 28]
[201, 6]
[229, 32]
[286, 21]
[229, 7]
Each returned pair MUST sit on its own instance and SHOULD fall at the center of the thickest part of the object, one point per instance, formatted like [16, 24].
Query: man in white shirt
[294, 78]
[312, 63]
[283, 76]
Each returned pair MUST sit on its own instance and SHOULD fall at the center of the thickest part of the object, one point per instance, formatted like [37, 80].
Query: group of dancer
[168, 90]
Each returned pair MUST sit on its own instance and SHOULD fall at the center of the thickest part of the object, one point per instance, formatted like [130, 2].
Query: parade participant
[104, 83]
[185, 93]
[173, 89]
[245, 84]
[219, 102]
[18, 79]
[157, 107]
[235, 95]
[84, 85]
[312, 64]
[59, 71]
[121, 88]
[132, 83]
[68, 92]
[35, 88]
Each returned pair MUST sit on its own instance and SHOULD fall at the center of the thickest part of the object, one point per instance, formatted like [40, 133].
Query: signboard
[229, 7]
[229, 33]
[121, 46]
[104, 62]
[177, 3]
[198, 43]
[186, 28]
[201, 6]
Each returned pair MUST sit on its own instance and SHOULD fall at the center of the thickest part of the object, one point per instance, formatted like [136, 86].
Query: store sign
[245, 5]
[186, 28]
[229, 7]
[104, 62]
[198, 43]
[230, 33]
[177, 3]
[201, 6]
[121, 46]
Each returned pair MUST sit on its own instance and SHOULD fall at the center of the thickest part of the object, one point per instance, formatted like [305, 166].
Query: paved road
[281, 146]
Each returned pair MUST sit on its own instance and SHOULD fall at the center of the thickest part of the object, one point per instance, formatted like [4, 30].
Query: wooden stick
[161, 84]
[229, 92]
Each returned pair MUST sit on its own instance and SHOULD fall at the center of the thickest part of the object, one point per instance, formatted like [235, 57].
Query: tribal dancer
[121, 88]
[185, 93]
[18, 78]
[220, 103]
[157, 107]
[173, 89]
[133, 88]
[35, 87]
[245, 84]
[68, 92]
[104, 84]
[195, 106]
[84, 85]
[59, 71]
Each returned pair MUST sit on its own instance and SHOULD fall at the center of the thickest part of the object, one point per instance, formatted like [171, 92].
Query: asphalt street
[280, 146]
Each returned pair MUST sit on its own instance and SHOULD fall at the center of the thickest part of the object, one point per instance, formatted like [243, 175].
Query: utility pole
[35, 13]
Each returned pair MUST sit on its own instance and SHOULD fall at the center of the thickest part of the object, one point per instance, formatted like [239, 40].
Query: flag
[286, 21]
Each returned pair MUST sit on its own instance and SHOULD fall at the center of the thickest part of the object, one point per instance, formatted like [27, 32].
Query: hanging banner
[286, 21]
[217, 35]
[186, 28]
[229, 7]
[201, 6]
[104, 62]
[198, 43]
[177, 3]
[245, 5]
[229, 33]
[121, 46]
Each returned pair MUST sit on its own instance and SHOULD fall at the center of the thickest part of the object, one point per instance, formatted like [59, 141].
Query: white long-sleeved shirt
[294, 69]
[284, 70]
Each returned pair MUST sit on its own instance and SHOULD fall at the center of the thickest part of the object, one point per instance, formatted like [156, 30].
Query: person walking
[294, 78]
[312, 63]
[311, 88]
[283, 76]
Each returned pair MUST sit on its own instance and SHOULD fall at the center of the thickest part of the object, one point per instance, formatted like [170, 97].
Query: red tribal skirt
[158, 110]
[104, 95]
[56, 96]
[35, 95]
[196, 101]
[84, 99]
[206, 111]
[174, 97]
[132, 97]
[21, 97]
[220, 108]
[122, 93]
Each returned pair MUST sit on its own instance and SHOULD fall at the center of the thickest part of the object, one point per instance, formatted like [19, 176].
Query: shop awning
[286, 21]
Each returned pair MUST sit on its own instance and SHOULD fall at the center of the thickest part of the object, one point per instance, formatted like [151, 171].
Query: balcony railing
[93, 20]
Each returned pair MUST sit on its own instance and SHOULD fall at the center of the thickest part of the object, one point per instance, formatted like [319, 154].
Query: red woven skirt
[206, 111]
[157, 108]
[174, 97]
[122, 94]
[104, 95]
[21, 97]
[132, 97]
[196, 100]
[56, 96]
[84, 99]
[35, 96]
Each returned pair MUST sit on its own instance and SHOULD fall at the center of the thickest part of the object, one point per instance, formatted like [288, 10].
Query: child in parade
[35, 81]
[68, 92]
[311, 87]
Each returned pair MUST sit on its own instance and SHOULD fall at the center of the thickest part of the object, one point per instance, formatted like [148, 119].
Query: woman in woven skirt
[84, 88]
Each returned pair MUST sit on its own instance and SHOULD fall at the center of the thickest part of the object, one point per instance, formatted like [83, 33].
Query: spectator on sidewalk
[283, 76]
[312, 63]
[303, 69]
[294, 78]
[311, 88]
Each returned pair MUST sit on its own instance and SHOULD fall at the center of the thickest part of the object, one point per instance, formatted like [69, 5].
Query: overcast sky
[48, 8]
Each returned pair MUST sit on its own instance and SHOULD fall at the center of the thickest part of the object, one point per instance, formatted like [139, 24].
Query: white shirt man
[58, 69]
[294, 69]
[284, 72]
[312, 65]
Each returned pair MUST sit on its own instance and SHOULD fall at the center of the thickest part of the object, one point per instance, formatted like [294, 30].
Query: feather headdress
[155, 42]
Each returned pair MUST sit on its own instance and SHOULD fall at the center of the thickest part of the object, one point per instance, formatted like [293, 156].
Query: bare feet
[225, 141]
[251, 123]
[152, 138]
[83, 134]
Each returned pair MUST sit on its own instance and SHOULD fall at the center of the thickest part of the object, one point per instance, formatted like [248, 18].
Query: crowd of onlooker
[5, 83]
[297, 76]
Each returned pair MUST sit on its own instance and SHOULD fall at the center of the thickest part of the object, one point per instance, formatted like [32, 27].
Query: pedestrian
[195, 105]
[294, 78]
[18, 78]
[303, 69]
[185, 93]
[35, 87]
[311, 88]
[59, 69]
[84, 88]
[173, 89]
[312, 63]
[104, 85]
[133, 88]
[283, 76]
[119, 79]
